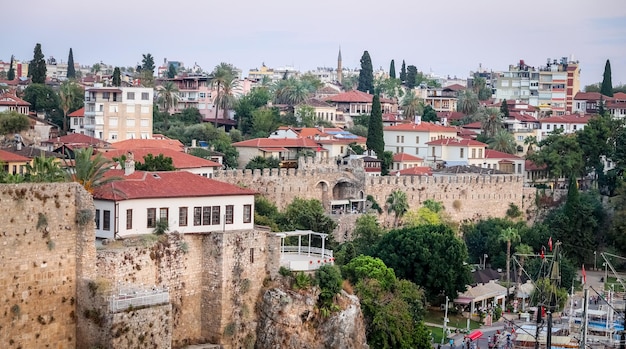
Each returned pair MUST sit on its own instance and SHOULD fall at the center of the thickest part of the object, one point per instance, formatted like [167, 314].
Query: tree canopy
[392, 69]
[375, 140]
[37, 67]
[155, 163]
[607, 86]
[366, 74]
[12, 122]
[71, 69]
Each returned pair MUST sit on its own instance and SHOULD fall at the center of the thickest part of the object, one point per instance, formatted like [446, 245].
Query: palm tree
[521, 250]
[168, 98]
[44, 169]
[491, 121]
[503, 141]
[292, 91]
[226, 99]
[223, 72]
[66, 95]
[467, 102]
[508, 235]
[531, 141]
[90, 170]
[397, 203]
[410, 105]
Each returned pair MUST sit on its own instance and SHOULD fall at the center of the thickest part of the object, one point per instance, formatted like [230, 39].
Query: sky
[447, 38]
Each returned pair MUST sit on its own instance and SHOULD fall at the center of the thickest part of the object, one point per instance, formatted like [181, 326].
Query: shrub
[302, 281]
[284, 271]
[330, 280]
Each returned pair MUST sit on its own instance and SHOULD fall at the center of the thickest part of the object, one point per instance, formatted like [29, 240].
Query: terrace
[303, 258]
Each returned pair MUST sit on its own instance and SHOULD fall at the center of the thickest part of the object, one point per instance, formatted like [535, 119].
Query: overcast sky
[450, 37]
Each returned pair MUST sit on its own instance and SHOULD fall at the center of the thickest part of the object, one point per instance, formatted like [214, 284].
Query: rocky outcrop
[290, 319]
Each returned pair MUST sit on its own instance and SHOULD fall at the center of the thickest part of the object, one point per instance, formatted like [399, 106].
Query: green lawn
[457, 321]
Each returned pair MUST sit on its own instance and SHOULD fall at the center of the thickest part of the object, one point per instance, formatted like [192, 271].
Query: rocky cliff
[290, 319]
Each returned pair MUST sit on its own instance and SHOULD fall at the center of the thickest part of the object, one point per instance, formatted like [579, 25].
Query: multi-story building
[589, 103]
[413, 138]
[355, 103]
[115, 114]
[520, 82]
[441, 99]
[559, 81]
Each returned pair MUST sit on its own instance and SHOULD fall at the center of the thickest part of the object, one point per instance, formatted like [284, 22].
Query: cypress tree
[37, 67]
[607, 85]
[403, 72]
[411, 76]
[117, 77]
[375, 140]
[11, 73]
[171, 71]
[366, 74]
[392, 69]
[504, 109]
[71, 70]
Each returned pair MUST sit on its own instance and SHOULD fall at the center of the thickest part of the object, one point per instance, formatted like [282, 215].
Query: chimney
[418, 119]
[129, 164]
[193, 143]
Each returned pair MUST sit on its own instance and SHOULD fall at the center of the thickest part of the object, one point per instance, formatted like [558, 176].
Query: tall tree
[561, 154]
[467, 102]
[11, 73]
[392, 69]
[403, 72]
[89, 170]
[397, 203]
[147, 70]
[42, 98]
[503, 141]
[155, 163]
[44, 169]
[71, 70]
[117, 77]
[171, 71]
[366, 74]
[66, 96]
[509, 235]
[37, 67]
[222, 73]
[375, 140]
[504, 109]
[167, 96]
[411, 76]
[607, 86]
[410, 106]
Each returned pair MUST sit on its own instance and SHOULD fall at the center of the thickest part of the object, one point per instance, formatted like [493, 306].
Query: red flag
[584, 275]
[550, 243]
[542, 255]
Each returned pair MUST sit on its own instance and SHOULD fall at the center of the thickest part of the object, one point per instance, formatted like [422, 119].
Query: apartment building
[114, 114]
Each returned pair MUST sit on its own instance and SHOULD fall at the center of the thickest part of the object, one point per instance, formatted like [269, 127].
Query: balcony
[128, 297]
[303, 258]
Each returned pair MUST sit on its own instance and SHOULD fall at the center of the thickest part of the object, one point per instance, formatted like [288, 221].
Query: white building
[413, 138]
[188, 202]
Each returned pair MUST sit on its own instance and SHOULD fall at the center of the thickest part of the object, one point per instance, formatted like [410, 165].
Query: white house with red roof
[567, 123]
[403, 161]
[503, 162]
[454, 151]
[188, 202]
[413, 171]
[322, 110]
[76, 121]
[13, 163]
[181, 161]
[10, 102]
[284, 149]
[411, 138]
[355, 103]
[335, 141]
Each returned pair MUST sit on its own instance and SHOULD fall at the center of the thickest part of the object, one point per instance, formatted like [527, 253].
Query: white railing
[133, 298]
[306, 251]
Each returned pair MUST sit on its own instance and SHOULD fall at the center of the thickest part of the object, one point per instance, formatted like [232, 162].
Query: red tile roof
[180, 160]
[455, 142]
[391, 117]
[75, 138]
[523, 117]
[414, 171]
[77, 113]
[456, 87]
[494, 154]
[278, 143]
[531, 166]
[400, 157]
[10, 99]
[131, 144]
[421, 127]
[588, 96]
[474, 126]
[566, 119]
[355, 96]
[7, 156]
[157, 185]
[450, 115]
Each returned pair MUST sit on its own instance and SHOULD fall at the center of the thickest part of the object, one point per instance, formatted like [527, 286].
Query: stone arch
[323, 187]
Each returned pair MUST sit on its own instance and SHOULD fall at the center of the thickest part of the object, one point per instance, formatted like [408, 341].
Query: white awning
[357, 200]
[339, 202]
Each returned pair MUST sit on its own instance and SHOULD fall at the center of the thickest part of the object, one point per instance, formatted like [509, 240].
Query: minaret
[339, 68]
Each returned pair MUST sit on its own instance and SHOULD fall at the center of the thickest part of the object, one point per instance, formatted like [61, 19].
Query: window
[480, 153]
[417, 139]
[130, 109]
[462, 153]
[106, 95]
[97, 219]
[230, 212]
[215, 215]
[548, 126]
[145, 123]
[202, 94]
[182, 216]
[113, 122]
[129, 219]
[433, 151]
[247, 213]
[164, 214]
[206, 215]
[130, 122]
[113, 109]
[130, 135]
[473, 153]
[113, 135]
[145, 96]
[197, 216]
[130, 95]
[251, 255]
[151, 218]
[106, 220]
[145, 109]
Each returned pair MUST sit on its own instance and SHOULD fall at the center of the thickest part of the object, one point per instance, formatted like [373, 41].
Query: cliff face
[289, 319]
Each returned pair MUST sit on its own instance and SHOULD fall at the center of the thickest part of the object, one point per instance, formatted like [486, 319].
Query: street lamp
[594, 260]
[485, 261]
[445, 323]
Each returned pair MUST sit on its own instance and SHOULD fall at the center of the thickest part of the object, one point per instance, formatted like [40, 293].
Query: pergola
[302, 257]
[481, 294]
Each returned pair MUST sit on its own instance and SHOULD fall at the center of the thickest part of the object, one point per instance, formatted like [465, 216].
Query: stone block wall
[44, 241]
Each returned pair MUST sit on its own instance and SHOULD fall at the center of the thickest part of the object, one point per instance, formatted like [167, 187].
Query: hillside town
[169, 205]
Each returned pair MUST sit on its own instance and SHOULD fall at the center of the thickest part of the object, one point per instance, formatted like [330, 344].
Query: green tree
[392, 69]
[429, 114]
[596, 141]
[410, 106]
[503, 141]
[44, 169]
[117, 77]
[291, 91]
[89, 170]
[521, 250]
[244, 107]
[308, 215]
[71, 69]
[367, 233]
[607, 86]
[168, 98]
[147, 70]
[375, 140]
[366, 74]
[171, 71]
[11, 73]
[66, 97]
[403, 72]
[390, 88]
[431, 256]
[397, 203]
[367, 267]
[42, 98]
[561, 154]
[37, 67]
[467, 102]
[509, 235]
[155, 163]
[411, 76]
[491, 121]
[12, 122]
[265, 121]
[259, 162]
[329, 280]
[481, 89]
[222, 75]
[504, 109]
